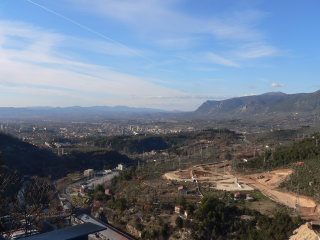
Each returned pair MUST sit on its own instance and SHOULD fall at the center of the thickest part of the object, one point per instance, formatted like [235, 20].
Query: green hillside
[303, 156]
[302, 150]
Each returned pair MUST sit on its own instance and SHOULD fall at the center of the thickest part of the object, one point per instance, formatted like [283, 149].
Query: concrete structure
[111, 233]
[78, 232]
[121, 167]
[88, 172]
[237, 183]
[178, 209]
[249, 198]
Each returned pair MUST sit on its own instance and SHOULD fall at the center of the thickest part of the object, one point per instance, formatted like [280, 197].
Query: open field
[222, 177]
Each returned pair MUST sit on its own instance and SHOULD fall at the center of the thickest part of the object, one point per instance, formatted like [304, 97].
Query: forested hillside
[142, 143]
[28, 159]
[303, 156]
[214, 219]
[302, 150]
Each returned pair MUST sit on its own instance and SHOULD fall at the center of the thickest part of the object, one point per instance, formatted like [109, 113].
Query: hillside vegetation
[216, 220]
[142, 143]
[302, 150]
[28, 159]
[303, 156]
[305, 179]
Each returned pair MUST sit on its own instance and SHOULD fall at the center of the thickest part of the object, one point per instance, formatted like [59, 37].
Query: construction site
[221, 176]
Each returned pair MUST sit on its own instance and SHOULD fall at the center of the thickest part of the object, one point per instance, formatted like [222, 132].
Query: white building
[88, 172]
[121, 167]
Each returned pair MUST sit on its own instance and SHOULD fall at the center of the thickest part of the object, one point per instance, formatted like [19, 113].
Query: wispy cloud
[162, 17]
[102, 47]
[216, 59]
[36, 65]
[177, 43]
[255, 50]
[277, 85]
[162, 23]
[205, 69]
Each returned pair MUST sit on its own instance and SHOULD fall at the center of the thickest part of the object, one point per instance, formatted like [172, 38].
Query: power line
[87, 29]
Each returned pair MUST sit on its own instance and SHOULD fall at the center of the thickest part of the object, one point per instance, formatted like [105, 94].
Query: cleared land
[222, 177]
[304, 232]
[268, 184]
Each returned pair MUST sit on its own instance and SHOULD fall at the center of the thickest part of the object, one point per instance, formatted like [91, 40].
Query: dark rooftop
[77, 232]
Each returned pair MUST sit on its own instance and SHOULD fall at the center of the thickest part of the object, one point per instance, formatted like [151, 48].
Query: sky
[163, 54]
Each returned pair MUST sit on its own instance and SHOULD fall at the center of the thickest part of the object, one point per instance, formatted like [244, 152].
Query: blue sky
[168, 54]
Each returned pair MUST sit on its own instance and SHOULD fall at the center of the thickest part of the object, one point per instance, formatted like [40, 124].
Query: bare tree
[10, 183]
[36, 195]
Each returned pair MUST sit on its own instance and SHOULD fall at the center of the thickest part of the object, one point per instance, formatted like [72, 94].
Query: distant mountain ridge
[260, 105]
[76, 112]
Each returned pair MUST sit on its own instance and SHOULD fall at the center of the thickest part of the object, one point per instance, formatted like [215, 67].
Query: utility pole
[207, 152]
[297, 200]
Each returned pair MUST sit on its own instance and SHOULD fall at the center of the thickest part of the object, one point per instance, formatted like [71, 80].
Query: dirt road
[223, 178]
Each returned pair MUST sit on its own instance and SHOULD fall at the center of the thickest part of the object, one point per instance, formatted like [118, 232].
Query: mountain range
[258, 106]
[268, 104]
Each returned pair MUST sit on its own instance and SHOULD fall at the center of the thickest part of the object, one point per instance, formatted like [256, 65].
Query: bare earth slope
[223, 178]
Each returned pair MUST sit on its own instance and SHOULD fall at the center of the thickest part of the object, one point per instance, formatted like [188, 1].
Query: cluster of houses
[239, 195]
[83, 189]
[90, 172]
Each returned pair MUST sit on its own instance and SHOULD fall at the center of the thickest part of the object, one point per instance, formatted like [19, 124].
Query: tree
[35, 196]
[165, 231]
[179, 222]
[10, 183]
[1, 161]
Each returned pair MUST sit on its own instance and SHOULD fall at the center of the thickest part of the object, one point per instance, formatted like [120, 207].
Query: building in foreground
[78, 232]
